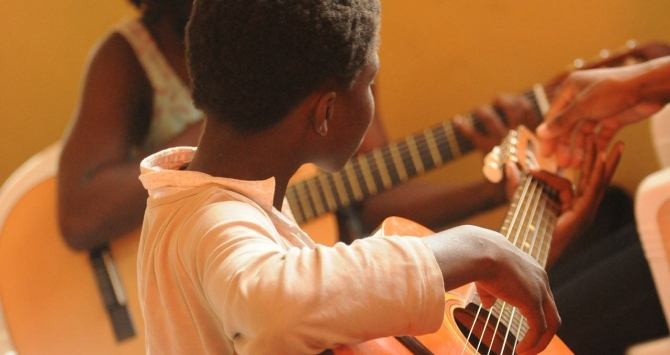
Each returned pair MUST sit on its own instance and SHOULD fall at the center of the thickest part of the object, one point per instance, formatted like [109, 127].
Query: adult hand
[579, 206]
[516, 109]
[594, 102]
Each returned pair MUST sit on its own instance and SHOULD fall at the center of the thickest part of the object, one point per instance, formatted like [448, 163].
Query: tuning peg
[604, 53]
[493, 165]
[631, 44]
[578, 63]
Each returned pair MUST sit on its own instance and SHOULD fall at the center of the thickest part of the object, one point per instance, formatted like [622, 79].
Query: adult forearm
[653, 80]
[432, 204]
[107, 206]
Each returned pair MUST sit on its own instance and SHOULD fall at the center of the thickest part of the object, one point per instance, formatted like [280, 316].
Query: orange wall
[439, 58]
[442, 57]
[43, 49]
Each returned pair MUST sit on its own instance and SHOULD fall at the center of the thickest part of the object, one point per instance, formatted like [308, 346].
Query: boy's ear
[325, 109]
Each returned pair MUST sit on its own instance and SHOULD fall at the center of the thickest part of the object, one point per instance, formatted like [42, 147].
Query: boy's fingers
[488, 300]
[537, 326]
[553, 323]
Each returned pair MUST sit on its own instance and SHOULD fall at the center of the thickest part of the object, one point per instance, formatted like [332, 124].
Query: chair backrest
[40, 167]
[652, 211]
[660, 132]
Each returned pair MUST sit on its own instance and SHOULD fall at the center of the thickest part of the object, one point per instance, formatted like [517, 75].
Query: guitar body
[51, 301]
[449, 339]
[323, 229]
[49, 293]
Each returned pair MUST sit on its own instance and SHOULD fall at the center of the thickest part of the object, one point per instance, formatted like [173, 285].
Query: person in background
[135, 101]
[284, 84]
[604, 291]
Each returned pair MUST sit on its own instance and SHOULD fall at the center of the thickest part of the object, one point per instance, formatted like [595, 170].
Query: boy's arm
[287, 300]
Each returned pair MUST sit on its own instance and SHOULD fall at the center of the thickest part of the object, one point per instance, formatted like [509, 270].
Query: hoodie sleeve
[276, 299]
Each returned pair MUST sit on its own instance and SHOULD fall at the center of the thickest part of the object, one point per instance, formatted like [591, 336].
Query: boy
[223, 268]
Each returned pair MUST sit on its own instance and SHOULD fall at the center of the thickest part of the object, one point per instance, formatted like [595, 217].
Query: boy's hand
[500, 270]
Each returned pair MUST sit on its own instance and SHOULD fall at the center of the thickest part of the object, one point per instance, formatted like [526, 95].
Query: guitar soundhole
[490, 343]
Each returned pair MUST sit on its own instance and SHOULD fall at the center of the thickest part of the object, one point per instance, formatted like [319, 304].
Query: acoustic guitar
[468, 327]
[60, 301]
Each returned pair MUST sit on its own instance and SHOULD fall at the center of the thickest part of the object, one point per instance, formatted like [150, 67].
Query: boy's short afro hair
[252, 61]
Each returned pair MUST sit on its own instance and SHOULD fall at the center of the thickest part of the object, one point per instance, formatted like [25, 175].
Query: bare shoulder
[114, 59]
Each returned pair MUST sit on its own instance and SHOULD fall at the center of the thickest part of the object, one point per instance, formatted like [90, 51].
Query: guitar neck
[385, 167]
[529, 225]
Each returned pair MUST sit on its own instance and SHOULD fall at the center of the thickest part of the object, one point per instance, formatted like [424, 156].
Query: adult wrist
[651, 81]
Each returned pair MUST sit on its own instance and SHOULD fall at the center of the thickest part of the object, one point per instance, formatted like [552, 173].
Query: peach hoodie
[221, 271]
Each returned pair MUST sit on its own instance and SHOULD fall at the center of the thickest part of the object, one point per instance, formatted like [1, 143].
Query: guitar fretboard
[385, 167]
[529, 225]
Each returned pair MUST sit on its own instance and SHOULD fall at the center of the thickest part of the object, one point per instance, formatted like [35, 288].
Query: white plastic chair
[37, 169]
[652, 213]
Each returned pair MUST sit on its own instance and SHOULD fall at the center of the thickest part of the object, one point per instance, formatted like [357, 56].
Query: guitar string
[522, 229]
[509, 223]
[521, 203]
[535, 224]
[544, 240]
[403, 148]
[531, 248]
[545, 233]
[302, 193]
[546, 237]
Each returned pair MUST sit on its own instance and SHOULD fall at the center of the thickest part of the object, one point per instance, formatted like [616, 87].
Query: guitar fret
[296, 207]
[303, 198]
[424, 151]
[341, 190]
[533, 103]
[370, 173]
[327, 191]
[541, 98]
[316, 196]
[397, 162]
[353, 182]
[406, 158]
[356, 168]
[432, 147]
[367, 174]
[443, 142]
[451, 138]
[381, 168]
[414, 153]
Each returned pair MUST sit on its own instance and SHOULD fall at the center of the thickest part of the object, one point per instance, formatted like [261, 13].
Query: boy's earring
[323, 128]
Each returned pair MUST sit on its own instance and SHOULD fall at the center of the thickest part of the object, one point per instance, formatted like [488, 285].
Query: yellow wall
[442, 57]
[43, 48]
[439, 58]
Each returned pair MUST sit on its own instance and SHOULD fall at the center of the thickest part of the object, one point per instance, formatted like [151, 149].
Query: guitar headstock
[521, 147]
[630, 53]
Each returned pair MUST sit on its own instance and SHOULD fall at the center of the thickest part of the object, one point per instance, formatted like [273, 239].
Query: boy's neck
[259, 156]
